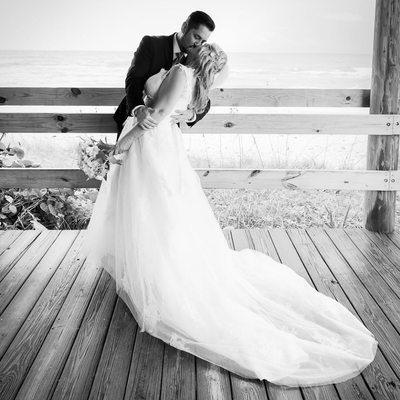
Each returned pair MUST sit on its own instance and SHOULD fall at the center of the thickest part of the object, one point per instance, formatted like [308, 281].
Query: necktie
[180, 58]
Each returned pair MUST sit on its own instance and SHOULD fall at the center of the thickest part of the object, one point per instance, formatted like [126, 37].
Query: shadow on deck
[64, 333]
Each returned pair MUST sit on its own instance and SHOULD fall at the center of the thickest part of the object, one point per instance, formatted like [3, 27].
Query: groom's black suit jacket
[153, 53]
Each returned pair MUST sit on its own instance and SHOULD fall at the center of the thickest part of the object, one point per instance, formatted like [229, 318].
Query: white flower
[92, 166]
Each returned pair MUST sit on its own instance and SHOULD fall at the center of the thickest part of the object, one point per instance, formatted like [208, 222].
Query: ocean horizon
[258, 70]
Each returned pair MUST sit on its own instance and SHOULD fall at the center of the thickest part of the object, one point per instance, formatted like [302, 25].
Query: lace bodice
[154, 82]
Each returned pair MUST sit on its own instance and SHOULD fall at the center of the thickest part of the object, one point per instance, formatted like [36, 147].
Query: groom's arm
[200, 116]
[137, 74]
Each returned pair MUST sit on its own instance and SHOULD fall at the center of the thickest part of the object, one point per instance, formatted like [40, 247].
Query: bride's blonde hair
[210, 61]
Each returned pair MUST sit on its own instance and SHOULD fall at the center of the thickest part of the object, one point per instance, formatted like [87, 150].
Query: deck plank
[78, 374]
[112, 373]
[22, 303]
[144, 381]
[8, 237]
[21, 270]
[213, 382]
[382, 374]
[383, 246]
[48, 364]
[15, 251]
[21, 353]
[179, 375]
[383, 294]
[381, 253]
[394, 237]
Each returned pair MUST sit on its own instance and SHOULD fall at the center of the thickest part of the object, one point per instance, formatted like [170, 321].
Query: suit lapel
[168, 50]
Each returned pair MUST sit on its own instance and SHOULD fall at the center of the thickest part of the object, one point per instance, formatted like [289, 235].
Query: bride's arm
[168, 93]
[167, 96]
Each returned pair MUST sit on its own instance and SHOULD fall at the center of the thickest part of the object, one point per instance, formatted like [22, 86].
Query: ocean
[261, 70]
[108, 69]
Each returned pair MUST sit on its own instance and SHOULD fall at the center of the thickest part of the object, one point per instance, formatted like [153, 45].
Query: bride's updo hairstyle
[210, 61]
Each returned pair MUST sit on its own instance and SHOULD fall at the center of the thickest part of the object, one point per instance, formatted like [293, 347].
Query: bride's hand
[115, 156]
[119, 149]
[115, 159]
[183, 116]
[123, 144]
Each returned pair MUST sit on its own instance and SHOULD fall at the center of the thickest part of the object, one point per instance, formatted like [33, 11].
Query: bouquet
[95, 156]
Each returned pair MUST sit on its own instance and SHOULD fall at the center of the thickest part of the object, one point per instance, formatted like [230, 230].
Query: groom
[153, 54]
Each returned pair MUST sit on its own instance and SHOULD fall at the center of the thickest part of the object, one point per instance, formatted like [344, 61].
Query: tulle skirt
[153, 230]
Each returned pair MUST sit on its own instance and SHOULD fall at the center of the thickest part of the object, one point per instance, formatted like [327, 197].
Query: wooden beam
[219, 178]
[383, 151]
[225, 97]
[297, 124]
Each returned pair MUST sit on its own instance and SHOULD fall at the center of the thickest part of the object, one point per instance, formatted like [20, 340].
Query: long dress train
[154, 231]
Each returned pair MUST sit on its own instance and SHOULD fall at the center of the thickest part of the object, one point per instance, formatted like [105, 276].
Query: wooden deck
[64, 333]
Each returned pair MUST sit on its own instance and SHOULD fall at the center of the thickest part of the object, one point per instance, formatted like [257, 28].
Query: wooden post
[383, 151]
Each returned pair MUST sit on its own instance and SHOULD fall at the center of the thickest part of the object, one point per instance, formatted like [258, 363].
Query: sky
[261, 26]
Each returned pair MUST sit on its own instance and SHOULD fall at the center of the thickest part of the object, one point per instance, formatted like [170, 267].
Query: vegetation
[66, 208]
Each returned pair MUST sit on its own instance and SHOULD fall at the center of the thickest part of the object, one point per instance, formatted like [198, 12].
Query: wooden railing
[316, 124]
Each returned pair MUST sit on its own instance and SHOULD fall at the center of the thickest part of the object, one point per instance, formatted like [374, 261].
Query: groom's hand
[187, 115]
[143, 115]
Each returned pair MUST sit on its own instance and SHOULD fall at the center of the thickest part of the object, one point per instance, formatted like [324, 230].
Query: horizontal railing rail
[220, 178]
[297, 124]
[214, 123]
[225, 97]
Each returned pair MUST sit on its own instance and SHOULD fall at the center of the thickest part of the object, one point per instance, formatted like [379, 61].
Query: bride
[154, 231]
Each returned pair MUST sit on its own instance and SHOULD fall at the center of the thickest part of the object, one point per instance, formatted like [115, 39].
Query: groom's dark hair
[199, 17]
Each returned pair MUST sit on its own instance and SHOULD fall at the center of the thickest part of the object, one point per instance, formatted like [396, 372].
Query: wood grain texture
[145, 374]
[218, 178]
[18, 309]
[268, 124]
[7, 238]
[359, 261]
[113, 369]
[383, 152]
[225, 97]
[19, 356]
[14, 251]
[12, 282]
[77, 376]
[380, 253]
[46, 369]
[179, 375]
[213, 382]
[312, 254]
[383, 374]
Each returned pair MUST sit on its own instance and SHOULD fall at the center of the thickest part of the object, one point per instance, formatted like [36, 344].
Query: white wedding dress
[154, 231]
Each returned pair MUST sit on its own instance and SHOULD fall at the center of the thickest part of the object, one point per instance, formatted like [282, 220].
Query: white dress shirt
[176, 49]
